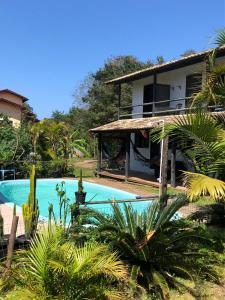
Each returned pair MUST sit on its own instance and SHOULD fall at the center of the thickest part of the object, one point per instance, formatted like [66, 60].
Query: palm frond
[202, 185]
[220, 37]
[161, 282]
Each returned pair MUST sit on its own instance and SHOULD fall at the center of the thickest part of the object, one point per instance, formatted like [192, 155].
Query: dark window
[155, 149]
[141, 140]
[148, 97]
[162, 93]
[193, 84]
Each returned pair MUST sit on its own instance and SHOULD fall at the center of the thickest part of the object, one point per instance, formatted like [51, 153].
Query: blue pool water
[17, 192]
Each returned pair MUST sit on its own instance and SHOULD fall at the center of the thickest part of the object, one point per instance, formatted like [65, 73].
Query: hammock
[108, 156]
[138, 154]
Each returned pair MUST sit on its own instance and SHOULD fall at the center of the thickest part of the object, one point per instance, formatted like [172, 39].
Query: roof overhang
[24, 99]
[134, 124]
[168, 66]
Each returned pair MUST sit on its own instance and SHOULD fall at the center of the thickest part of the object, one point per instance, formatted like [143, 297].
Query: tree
[15, 142]
[160, 60]
[8, 137]
[28, 115]
[201, 139]
[188, 52]
[61, 139]
[101, 99]
[213, 91]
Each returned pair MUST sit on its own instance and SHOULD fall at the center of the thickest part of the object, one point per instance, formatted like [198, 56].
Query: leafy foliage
[15, 142]
[201, 139]
[220, 37]
[54, 268]
[96, 103]
[159, 249]
[213, 91]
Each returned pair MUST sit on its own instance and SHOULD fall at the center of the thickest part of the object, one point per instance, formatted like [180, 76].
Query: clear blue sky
[49, 46]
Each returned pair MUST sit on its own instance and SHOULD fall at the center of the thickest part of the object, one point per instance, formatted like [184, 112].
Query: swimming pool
[17, 192]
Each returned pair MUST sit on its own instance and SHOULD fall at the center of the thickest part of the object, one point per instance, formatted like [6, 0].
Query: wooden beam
[11, 243]
[163, 173]
[142, 199]
[99, 152]
[127, 161]
[154, 93]
[173, 165]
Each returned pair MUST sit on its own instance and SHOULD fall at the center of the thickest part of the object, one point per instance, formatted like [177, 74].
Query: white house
[158, 93]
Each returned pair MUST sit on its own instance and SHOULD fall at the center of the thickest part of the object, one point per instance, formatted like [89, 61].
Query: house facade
[158, 94]
[11, 105]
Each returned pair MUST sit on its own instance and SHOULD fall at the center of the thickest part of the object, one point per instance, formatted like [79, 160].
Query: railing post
[127, 161]
[154, 93]
[99, 153]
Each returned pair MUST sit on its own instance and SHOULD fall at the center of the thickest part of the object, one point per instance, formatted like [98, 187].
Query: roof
[168, 66]
[142, 123]
[14, 93]
[134, 124]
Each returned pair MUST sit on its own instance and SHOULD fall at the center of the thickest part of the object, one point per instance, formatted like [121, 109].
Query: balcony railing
[162, 107]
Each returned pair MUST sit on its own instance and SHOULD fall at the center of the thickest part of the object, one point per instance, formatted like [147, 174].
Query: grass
[154, 190]
[86, 173]
[204, 201]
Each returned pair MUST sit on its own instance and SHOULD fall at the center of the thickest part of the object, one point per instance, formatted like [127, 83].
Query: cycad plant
[30, 209]
[54, 268]
[160, 249]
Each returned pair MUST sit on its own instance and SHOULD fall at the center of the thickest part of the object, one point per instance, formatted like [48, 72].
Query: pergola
[123, 129]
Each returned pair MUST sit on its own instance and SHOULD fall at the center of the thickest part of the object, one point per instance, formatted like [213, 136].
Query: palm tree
[56, 268]
[213, 91]
[220, 37]
[201, 139]
[154, 244]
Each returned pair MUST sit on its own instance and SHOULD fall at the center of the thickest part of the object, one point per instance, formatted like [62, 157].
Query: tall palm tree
[54, 268]
[155, 244]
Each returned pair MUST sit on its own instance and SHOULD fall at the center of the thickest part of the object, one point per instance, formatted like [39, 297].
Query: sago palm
[159, 249]
[55, 268]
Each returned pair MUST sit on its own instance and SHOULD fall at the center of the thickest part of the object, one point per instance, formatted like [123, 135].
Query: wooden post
[173, 165]
[127, 161]
[12, 239]
[99, 153]
[163, 172]
[154, 93]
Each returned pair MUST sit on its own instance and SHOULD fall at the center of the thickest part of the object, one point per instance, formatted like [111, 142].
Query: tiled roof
[173, 64]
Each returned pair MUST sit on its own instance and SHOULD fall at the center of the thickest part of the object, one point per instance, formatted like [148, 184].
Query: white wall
[175, 78]
[137, 165]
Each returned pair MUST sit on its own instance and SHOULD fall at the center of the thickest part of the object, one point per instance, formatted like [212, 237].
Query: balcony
[162, 108]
